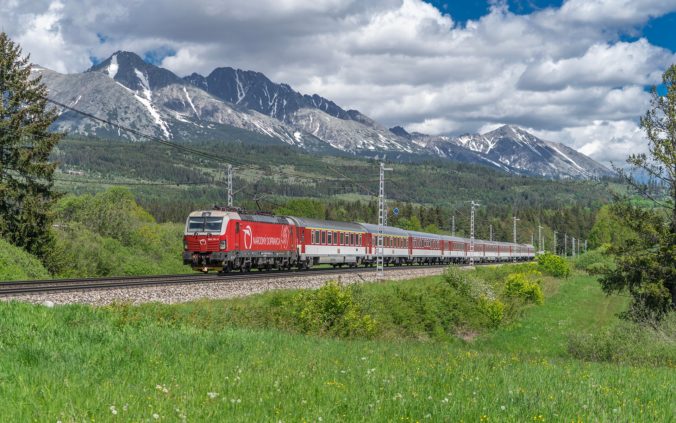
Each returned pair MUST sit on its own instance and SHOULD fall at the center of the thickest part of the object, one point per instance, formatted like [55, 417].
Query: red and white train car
[227, 239]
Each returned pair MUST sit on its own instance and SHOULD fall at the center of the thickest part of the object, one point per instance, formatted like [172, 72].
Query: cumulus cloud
[565, 72]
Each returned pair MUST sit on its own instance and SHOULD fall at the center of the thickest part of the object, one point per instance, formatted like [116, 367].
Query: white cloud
[561, 71]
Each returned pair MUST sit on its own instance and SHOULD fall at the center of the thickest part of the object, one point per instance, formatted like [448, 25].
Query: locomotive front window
[205, 224]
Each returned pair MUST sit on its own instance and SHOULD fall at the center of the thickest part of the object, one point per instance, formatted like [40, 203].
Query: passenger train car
[226, 239]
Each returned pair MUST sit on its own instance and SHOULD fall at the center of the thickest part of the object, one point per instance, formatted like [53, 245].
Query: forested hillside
[170, 183]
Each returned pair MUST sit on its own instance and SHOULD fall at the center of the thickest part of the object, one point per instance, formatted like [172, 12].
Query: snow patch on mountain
[113, 67]
[147, 101]
[192, 106]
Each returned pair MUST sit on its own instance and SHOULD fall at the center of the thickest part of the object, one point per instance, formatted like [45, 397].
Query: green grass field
[185, 363]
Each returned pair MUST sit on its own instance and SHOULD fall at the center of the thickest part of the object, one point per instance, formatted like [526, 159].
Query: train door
[237, 235]
[300, 239]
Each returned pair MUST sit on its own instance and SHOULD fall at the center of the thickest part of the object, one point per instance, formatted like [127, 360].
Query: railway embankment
[229, 286]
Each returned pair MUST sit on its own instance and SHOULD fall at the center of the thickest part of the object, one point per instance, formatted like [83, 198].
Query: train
[228, 239]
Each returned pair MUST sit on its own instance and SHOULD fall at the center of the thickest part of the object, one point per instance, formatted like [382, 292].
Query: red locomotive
[227, 239]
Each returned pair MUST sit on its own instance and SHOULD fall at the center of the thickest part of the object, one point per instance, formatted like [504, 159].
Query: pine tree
[26, 175]
[646, 264]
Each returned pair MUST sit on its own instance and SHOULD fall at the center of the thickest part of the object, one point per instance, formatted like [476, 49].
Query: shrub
[494, 310]
[553, 265]
[467, 284]
[595, 261]
[17, 264]
[525, 286]
[629, 342]
[332, 310]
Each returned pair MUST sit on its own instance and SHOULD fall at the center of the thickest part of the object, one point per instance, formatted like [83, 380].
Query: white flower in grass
[212, 395]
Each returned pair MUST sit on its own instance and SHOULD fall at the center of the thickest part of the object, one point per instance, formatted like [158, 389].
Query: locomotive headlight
[222, 245]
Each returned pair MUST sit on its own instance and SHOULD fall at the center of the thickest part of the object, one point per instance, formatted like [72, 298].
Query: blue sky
[660, 31]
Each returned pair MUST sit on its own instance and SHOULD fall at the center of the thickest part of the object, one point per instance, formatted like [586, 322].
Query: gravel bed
[212, 290]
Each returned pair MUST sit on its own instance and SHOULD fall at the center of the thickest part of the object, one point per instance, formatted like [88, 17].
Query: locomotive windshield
[204, 224]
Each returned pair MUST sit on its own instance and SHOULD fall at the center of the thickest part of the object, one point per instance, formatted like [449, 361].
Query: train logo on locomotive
[248, 237]
[285, 236]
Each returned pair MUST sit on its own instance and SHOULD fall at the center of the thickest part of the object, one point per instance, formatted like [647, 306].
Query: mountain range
[133, 93]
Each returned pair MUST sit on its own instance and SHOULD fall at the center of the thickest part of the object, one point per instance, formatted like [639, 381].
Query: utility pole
[491, 237]
[471, 231]
[515, 220]
[381, 222]
[453, 225]
[385, 208]
[229, 185]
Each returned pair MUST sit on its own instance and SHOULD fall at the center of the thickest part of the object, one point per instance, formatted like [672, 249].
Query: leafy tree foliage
[26, 175]
[646, 265]
[608, 229]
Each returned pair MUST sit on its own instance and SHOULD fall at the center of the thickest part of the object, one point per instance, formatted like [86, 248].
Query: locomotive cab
[205, 241]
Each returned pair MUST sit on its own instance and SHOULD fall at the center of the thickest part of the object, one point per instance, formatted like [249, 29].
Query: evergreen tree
[646, 265]
[26, 175]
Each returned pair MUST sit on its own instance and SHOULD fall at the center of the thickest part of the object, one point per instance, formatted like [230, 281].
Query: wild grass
[201, 362]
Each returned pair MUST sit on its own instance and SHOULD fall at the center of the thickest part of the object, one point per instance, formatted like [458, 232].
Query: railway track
[87, 284]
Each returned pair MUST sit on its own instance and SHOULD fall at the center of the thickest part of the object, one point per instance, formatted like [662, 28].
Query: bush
[332, 310]
[595, 261]
[17, 264]
[108, 234]
[524, 286]
[629, 342]
[468, 285]
[553, 265]
[494, 310]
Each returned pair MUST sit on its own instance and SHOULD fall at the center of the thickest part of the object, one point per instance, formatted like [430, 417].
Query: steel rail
[87, 284]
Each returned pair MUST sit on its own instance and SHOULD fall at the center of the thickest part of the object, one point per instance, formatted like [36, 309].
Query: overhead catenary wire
[190, 150]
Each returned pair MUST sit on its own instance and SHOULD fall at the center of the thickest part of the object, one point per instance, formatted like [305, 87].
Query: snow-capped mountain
[515, 150]
[255, 91]
[126, 90]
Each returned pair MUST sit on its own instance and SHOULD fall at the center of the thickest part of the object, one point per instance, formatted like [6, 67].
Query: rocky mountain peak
[401, 132]
[130, 70]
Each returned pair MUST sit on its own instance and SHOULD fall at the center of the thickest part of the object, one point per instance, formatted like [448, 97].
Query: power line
[194, 151]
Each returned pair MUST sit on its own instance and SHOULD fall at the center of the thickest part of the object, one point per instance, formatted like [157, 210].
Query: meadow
[190, 363]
